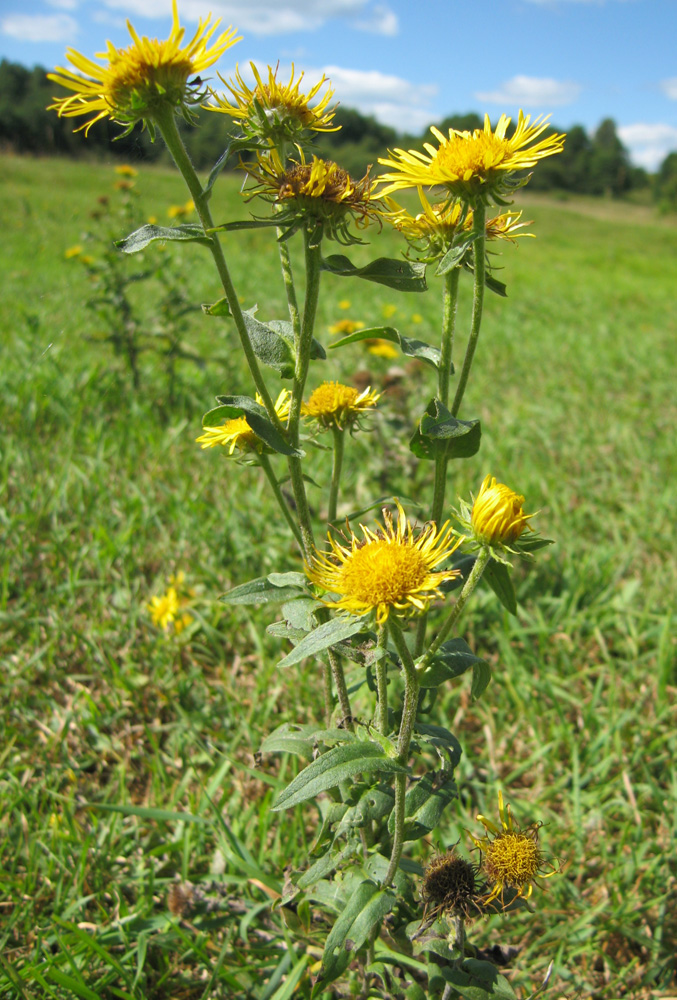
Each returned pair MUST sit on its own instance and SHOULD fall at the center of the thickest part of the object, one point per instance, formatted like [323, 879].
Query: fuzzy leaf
[439, 434]
[412, 348]
[256, 416]
[424, 804]
[259, 591]
[321, 638]
[191, 232]
[405, 276]
[481, 675]
[333, 767]
[270, 346]
[452, 659]
[498, 577]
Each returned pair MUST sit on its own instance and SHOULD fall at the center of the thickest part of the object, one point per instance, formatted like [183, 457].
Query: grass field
[127, 759]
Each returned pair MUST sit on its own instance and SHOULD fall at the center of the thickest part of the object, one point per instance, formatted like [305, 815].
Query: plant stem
[339, 438]
[459, 939]
[470, 584]
[288, 278]
[341, 690]
[328, 697]
[284, 507]
[411, 690]
[477, 305]
[166, 122]
[449, 303]
[382, 680]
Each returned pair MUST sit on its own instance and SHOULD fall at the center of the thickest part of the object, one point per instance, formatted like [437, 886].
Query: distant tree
[359, 143]
[609, 162]
[665, 184]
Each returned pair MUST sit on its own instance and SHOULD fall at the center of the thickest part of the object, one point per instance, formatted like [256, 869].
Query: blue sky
[411, 62]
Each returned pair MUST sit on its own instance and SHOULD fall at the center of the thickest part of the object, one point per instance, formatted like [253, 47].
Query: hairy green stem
[277, 492]
[328, 697]
[479, 263]
[461, 601]
[382, 680]
[449, 304]
[341, 691]
[339, 439]
[166, 122]
[290, 289]
[411, 690]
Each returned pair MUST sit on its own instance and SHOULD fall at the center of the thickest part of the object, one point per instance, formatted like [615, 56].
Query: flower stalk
[479, 267]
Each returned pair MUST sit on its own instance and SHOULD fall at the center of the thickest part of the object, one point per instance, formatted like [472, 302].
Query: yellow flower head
[124, 185]
[180, 211]
[164, 609]
[389, 569]
[146, 78]
[273, 111]
[346, 326]
[73, 252]
[433, 231]
[334, 405]
[381, 348]
[511, 856]
[124, 170]
[452, 885]
[497, 516]
[471, 165]
[236, 432]
[320, 190]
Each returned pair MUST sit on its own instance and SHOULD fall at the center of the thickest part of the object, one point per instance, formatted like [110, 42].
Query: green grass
[111, 729]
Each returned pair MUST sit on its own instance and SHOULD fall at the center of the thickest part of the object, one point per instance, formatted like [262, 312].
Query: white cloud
[30, 28]
[669, 87]
[269, 17]
[647, 144]
[532, 91]
[381, 21]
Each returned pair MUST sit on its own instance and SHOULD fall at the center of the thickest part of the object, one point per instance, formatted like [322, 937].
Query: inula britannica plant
[375, 597]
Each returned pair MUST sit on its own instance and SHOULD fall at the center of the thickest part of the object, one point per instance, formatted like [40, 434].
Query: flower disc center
[383, 571]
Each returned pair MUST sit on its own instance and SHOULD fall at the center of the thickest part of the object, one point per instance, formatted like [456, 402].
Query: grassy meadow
[128, 760]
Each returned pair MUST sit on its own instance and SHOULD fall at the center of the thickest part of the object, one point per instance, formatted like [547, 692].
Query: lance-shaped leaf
[296, 738]
[190, 232]
[364, 911]
[444, 742]
[424, 804]
[261, 591]
[403, 275]
[441, 435]
[412, 348]
[321, 638]
[236, 145]
[452, 659]
[497, 575]
[333, 767]
[270, 346]
[284, 329]
[454, 256]
[256, 416]
[481, 675]
[477, 980]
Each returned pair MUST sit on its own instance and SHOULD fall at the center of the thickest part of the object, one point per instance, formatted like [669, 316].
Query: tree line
[596, 164]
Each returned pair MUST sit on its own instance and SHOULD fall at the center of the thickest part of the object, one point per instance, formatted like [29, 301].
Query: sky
[412, 62]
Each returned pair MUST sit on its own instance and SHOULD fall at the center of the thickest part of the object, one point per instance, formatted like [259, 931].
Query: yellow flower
[346, 326]
[472, 164]
[124, 185]
[179, 211]
[136, 83]
[334, 405]
[389, 569]
[152, 220]
[497, 517]
[511, 857]
[164, 609]
[433, 231]
[321, 190]
[388, 310]
[276, 111]
[344, 304]
[382, 348]
[416, 318]
[73, 252]
[236, 432]
[124, 170]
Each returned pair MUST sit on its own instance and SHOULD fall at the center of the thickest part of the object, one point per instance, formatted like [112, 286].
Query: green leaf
[299, 612]
[495, 286]
[321, 638]
[284, 329]
[481, 675]
[333, 767]
[454, 256]
[441, 435]
[373, 803]
[256, 416]
[237, 145]
[191, 232]
[412, 348]
[477, 980]
[532, 543]
[291, 737]
[498, 577]
[218, 308]
[442, 740]
[76, 988]
[424, 804]
[452, 659]
[405, 276]
[366, 908]
[270, 346]
[259, 591]
[233, 227]
[291, 579]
